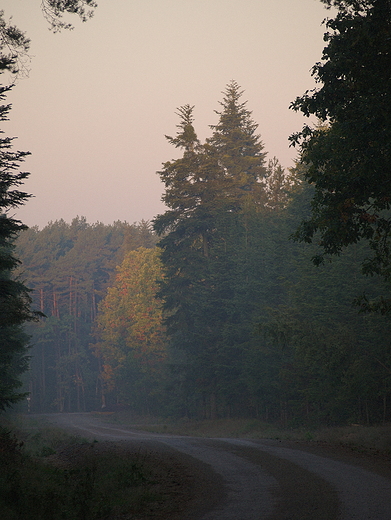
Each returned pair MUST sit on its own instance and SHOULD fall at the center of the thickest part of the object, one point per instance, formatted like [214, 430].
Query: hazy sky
[99, 99]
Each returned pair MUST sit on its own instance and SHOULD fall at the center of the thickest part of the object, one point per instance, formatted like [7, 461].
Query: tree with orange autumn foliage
[131, 338]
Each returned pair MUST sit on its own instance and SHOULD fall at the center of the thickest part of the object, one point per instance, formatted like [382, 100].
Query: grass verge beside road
[49, 474]
[359, 438]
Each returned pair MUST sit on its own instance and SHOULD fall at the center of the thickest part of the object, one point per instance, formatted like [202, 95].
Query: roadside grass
[39, 437]
[360, 438]
[36, 484]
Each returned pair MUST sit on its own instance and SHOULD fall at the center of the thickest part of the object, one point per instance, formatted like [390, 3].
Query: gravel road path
[239, 479]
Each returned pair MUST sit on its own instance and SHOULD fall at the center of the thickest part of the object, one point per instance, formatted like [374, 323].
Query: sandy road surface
[256, 480]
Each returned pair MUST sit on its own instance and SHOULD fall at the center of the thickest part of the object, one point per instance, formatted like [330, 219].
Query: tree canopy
[131, 338]
[54, 10]
[14, 44]
[69, 267]
[348, 153]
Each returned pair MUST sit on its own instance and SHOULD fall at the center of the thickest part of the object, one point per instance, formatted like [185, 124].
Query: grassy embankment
[37, 483]
[359, 438]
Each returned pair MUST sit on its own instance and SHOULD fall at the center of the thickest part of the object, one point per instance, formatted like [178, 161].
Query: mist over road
[257, 480]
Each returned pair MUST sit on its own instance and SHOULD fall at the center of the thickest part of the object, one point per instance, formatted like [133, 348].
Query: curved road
[261, 479]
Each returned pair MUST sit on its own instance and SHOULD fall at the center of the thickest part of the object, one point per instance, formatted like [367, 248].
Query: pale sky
[99, 99]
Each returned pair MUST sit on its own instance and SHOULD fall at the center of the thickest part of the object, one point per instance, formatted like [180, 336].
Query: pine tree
[279, 185]
[210, 192]
[14, 295]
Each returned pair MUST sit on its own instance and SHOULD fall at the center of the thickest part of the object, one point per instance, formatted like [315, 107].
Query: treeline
[69, 268]
[228, 316]
[294, 349]
[254, 328]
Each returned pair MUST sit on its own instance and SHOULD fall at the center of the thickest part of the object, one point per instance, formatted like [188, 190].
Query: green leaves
[349, 160]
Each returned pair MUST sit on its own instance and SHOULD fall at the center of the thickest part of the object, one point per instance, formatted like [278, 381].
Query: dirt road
[255, 480]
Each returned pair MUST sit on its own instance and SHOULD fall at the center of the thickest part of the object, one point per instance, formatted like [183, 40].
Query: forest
[213, 309]
[69, 268]
[260, 292]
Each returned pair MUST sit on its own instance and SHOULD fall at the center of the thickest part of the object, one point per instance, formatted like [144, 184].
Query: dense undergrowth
[94, 486]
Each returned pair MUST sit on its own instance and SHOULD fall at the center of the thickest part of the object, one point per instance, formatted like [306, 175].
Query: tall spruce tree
[238, 148]
[14, 295]
[210, 191]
